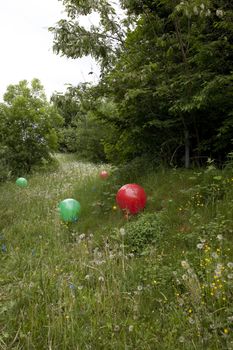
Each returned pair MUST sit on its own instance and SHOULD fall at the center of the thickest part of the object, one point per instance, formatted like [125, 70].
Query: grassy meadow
[160, 280]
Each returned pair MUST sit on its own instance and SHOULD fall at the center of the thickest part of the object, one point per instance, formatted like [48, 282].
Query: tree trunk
[187, 148]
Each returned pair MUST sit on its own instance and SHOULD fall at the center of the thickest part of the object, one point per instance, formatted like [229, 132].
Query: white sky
[26, 47]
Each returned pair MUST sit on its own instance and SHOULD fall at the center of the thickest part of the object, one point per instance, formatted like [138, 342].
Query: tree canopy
[28, 126]
[169, 75]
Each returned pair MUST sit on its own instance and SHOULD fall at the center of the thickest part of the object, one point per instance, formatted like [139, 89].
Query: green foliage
[212, 186]
[86, 132]
[204, 286]
[229, 161]
[68, 140]
[147, 229]
[166, 65]
[90, 134]
[135, 169]
[4, 167]
[27, 126]
[85, 139]
[101, 41]
[178, 85]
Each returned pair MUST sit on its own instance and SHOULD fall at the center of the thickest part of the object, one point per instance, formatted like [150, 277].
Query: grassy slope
[82, 287]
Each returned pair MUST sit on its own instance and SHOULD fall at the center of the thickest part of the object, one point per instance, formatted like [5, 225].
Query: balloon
[69, 210]
[21, 182]
[131, 197]
[104, 174]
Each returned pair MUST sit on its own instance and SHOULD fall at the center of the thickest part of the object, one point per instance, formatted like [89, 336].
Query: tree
[27, 126]
[86, 130]
[102, 42]
[170, 92]
[166, 78]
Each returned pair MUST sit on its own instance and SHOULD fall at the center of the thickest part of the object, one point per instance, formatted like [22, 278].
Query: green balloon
[21, 182]
[69, 210]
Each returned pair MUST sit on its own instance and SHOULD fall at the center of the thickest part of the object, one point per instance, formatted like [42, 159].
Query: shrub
[27, 126]
[147, 229]
[68, 140]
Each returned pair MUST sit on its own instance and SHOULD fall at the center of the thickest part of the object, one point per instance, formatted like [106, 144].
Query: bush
[68, 140]
[147, 229]
[27, 126]
[134, 170]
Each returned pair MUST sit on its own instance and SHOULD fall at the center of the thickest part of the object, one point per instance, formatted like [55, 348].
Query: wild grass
[85, 286]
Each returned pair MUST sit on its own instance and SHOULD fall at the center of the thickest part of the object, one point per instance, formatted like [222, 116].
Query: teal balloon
[69, 210]
[21, 182]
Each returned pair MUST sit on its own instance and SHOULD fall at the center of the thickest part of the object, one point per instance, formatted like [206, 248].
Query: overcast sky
[26, 47]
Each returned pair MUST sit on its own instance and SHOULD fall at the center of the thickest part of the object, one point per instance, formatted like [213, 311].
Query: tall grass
[84, 286]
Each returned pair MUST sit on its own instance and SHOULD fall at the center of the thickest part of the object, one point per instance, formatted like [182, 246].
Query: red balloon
[103, 174]
[132, 198]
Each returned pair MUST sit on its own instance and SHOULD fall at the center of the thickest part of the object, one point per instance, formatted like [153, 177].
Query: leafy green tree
[67, 105]
[167, 76]
[28, 126]
[170, 91]
[102, 41]
[84, 131]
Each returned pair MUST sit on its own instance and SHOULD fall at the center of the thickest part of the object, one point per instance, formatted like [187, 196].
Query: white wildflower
[220, 237]
[218, 270]
[219, 266]
[101, 279]
[219, 13]
[99, 262]
[202, 6]
[214, 255]
[185, 277]
[191, 320]
[200, 245]
[218, 273]
[131, 328]
[185, 264]
[82, 236]
[122, 231]
[190, 271]
[140, 288]
[230, 265]
[181, 339]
